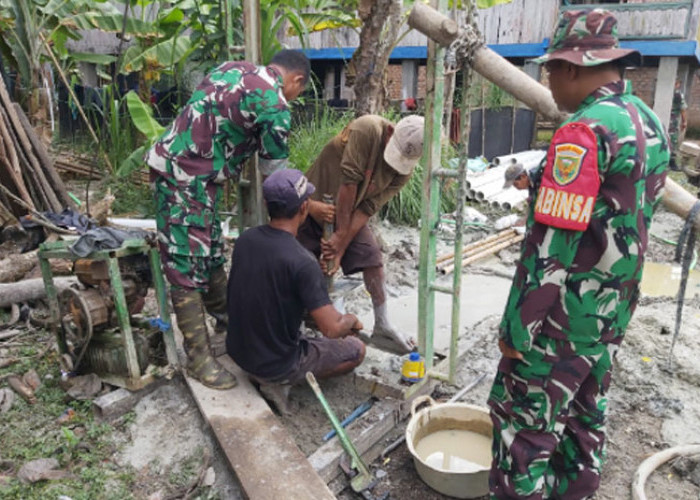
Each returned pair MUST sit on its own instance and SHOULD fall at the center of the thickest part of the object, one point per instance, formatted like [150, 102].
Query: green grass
[82, 446]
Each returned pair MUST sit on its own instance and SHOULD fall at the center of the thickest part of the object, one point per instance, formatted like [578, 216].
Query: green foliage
[406, 206]
[117, 134]
[132, 198]
[302, 17]
[142, 116]
[308, 137]
[81, 445]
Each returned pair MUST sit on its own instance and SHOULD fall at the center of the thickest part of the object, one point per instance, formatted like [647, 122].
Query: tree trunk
[32, 289]
[367, 70]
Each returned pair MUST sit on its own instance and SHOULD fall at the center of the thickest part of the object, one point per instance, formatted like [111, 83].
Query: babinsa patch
[570, 180]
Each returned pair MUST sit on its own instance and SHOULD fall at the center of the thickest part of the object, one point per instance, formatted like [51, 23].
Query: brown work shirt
[356, 156]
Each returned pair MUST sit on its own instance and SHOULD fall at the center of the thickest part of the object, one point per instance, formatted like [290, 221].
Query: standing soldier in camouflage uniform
[678, 123]
[238, 108]
[577, 279]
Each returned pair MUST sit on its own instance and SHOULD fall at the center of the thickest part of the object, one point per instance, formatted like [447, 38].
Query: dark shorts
[362, 252]
[320, 356]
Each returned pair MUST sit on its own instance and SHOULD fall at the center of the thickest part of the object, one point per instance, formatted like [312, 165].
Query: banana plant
[142, 118]
[22, 26]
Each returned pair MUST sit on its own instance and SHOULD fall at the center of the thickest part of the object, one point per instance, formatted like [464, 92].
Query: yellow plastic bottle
[413, 369]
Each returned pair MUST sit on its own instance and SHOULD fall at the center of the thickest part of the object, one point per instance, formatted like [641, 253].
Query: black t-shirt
[273, 279]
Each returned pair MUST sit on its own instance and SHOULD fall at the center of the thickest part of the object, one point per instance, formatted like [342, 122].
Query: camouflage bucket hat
[587, 38]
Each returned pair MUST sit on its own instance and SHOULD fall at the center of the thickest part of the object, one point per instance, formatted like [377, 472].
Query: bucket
[465, 426]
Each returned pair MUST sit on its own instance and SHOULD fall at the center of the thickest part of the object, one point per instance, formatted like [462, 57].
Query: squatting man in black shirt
[273, 280]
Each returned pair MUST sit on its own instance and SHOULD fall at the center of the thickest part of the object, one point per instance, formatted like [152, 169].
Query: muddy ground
[651, 407]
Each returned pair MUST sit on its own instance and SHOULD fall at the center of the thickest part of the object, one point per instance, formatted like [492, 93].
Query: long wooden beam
[264, 457]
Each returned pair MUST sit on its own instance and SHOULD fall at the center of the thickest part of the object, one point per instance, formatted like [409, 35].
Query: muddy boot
[201, 365]
[215, 303]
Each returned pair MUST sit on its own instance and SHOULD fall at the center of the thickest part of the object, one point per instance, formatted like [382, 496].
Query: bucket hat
[587, 38]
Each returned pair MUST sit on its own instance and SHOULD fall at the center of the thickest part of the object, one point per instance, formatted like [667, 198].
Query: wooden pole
[47, 165]
[486, 62]
[485, 252]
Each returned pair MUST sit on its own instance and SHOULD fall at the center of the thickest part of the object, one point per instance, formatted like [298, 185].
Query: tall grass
[405, 207]
[313, 127]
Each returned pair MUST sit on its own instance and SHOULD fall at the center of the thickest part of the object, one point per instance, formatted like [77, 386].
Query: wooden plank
[366, 432]
[264, 457]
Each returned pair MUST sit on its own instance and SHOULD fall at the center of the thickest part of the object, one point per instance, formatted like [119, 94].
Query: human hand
[333, 248]
[330, 266]
[357, 327]
[508, 351]
[322, 212]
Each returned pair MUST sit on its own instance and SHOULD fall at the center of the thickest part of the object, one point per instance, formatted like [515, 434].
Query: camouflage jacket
[583, 286]
[236, 110]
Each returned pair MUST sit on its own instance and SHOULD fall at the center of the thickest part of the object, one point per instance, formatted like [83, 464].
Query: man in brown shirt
[362, 168]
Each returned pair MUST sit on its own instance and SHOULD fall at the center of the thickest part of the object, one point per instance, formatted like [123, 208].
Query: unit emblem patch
[567, 163]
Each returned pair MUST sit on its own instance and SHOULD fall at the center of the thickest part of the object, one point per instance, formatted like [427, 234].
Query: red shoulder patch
[570, 181]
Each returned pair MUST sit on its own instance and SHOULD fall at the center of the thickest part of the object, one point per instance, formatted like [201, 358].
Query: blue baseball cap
[288, 187]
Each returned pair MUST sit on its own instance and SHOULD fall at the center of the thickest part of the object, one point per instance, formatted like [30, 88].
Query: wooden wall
[531, 21]
[520, 21]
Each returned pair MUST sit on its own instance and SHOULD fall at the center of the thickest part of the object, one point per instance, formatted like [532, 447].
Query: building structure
[665, 32]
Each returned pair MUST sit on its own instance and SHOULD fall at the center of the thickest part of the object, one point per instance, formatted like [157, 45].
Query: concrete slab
[482, 296]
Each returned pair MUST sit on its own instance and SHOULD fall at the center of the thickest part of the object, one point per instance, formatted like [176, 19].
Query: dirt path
[650, 407]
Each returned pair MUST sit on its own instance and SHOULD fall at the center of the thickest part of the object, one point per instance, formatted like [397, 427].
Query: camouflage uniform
[674, 125]
[238, 109]
[572, 297]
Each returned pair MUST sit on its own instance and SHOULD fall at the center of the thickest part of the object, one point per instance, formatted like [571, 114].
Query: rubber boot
[215, 303]
[201, 365]
[215, 298]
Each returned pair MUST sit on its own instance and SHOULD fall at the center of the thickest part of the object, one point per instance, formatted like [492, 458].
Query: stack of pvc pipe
[487, 186]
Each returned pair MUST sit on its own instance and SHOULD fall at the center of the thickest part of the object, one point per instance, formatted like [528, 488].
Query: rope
[684, 254]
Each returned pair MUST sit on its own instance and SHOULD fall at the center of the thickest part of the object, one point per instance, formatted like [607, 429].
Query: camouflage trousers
[548, 414]
[189, 235]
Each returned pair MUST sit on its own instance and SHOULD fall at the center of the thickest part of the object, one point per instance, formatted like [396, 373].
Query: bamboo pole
[484, 253]
[77, 102]
[679, 201]
[24, 146]
[530, 92]
[486, 62]
[34, 176]
[473, 251]
[476, 244]
[44, 160]
[13, 163]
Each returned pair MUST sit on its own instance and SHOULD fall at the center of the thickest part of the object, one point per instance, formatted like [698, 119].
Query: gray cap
[405, 147]
[513, 172]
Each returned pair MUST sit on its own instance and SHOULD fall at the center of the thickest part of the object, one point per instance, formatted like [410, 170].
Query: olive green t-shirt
[356, 156]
